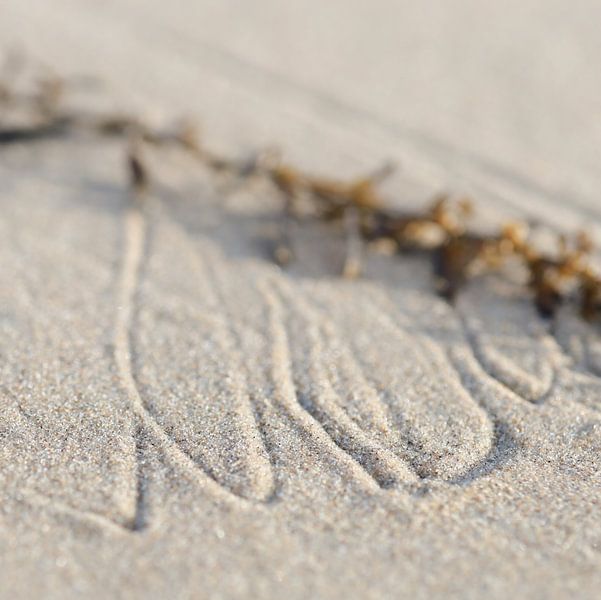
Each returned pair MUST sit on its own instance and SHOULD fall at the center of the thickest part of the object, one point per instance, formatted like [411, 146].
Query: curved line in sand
[476, 347]
[262, 487]
[502, 444]
[381, 466]
[135, 238]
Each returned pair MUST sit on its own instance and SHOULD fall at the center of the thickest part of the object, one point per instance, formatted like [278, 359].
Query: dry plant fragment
[452, 261]
[354, 245]
[283, 253]
[349, 203]
[336, 196]
[413, 230]
[138, 173]
[551, 277]
[590, 295]
[356, 207]
[57, 127]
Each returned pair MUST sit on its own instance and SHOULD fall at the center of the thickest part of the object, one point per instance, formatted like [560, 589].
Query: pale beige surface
[182, 419]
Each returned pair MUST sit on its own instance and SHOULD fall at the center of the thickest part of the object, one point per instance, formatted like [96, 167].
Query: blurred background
[504, 97]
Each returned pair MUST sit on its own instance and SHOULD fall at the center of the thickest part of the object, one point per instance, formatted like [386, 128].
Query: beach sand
[181, 418]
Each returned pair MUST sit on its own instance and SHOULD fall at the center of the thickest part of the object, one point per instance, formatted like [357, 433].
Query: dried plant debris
[356, 207]
[51, 128]
[138, 172]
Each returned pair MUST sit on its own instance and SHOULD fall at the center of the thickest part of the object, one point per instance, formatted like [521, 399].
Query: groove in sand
[135, 227]
[260, 484]
[381, 466]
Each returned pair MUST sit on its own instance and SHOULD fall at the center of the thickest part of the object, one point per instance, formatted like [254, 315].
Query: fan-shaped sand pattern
[392, 371]
[483, 317]
[206, 329]
[179, 418]
[313, 366]
[511, 341]
[216, 408]
[245, 335]
[535, 358]
[579, 340]
[251, 346]
[360, 397]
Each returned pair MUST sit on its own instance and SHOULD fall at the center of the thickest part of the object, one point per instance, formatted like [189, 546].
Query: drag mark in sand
[478, 384]
[135, 228]
[558, 369]
[135, 233]
[308, 384]
[506, 373]
[244, 468]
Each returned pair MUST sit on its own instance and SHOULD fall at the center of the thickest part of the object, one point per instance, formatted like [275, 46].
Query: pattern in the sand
[232, 370]
[396, 387]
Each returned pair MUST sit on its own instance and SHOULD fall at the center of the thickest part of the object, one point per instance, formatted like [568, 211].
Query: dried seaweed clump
[457, 253]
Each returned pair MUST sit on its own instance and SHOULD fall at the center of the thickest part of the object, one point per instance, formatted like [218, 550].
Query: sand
[181, 418]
